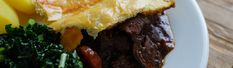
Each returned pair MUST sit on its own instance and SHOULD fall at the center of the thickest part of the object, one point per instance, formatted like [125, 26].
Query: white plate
[190, 31]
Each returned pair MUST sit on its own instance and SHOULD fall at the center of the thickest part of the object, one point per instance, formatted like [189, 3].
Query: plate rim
[205, 33]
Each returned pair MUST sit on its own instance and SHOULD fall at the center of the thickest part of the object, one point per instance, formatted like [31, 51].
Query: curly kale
[34, 46]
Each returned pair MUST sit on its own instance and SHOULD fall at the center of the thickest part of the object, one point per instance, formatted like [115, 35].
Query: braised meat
[151, 39]
[139, 42]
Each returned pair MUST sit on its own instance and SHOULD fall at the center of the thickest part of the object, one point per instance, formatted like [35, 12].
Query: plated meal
[85, 33]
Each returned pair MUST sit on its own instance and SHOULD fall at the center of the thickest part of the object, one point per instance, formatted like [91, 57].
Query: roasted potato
[7, 16]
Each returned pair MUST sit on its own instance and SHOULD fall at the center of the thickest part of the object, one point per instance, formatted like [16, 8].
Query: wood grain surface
[219, 18]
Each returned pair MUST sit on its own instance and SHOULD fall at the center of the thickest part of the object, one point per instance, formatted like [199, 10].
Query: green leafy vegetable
[34, 46]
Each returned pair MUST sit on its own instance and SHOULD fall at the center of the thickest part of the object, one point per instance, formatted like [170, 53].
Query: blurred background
[219, 18]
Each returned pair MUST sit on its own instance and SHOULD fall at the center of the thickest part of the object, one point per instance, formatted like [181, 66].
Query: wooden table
[219, 18]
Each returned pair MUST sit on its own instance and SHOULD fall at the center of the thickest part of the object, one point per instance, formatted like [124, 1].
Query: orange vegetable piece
[71, 38]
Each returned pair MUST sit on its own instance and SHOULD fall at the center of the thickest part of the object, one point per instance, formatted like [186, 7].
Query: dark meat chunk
[147, 53]
[151, 38]
[115, 49]
[139, 42]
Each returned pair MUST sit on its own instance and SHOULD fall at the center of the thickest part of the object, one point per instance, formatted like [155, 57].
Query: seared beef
[139, 42]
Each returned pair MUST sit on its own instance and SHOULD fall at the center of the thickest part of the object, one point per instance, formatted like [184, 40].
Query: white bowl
[190, 31]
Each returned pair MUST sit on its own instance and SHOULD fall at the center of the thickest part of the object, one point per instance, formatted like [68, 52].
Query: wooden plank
[221, 50]
[217, 13]
[219, 18]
